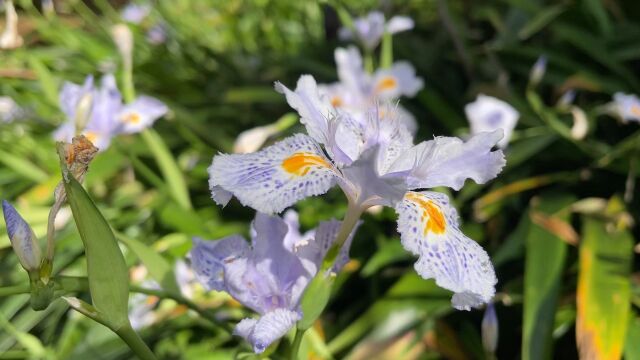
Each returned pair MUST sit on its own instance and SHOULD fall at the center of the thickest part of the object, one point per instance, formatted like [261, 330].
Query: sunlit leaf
[604, 290]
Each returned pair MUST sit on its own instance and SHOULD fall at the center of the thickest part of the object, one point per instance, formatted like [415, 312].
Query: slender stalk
[354, 211]
[295, 347]
[15, 290]
[134, 342]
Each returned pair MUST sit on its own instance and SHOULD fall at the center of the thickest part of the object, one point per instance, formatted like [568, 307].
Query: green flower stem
[368, 61]
[297, 340]
[351, 218]
[15, 290]
[69, 284]
[136, 344]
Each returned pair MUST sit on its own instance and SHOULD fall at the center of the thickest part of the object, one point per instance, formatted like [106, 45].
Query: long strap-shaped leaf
[604, 290]
[544, 264]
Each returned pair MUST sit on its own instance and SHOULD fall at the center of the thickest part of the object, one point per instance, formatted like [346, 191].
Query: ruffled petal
[315, 111]
[448, 161]
[428, 227]
[267, 329]
[276, 177]
[211, 259]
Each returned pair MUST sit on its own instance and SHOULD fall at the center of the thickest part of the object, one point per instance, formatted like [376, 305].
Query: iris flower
[369, 29]
[627, 106]
[270, 275]
[99, 113]
[357, 90]
[488, 114]
[375, 162]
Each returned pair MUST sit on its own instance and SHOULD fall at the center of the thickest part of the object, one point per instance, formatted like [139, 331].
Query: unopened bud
[83, 111]
[580, 123]
[490, 329]
[566, 99]
[251, 140]
[10, 38]
[538, 70]
[23, 239]
[123, 38]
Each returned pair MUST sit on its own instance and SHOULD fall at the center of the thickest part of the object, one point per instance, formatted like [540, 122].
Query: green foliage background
[216, 71]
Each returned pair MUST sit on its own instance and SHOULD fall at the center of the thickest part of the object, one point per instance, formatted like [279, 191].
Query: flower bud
[123, 38]
[490, 329]
[10, 38]
[23, 240]
[83, 111]
[538, 70]
[251, 140]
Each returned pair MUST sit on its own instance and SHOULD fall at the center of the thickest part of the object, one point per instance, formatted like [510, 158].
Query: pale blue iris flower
[356, 90]
[488, 113]
[100, 114]
[374, 161]
[627, 106]
[269, 275]
[368, 30]
[135, 13]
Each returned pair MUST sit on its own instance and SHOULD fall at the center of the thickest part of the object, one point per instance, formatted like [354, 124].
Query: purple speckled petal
[274, 178]
[267, 329]
[210, 259]
[428, 227]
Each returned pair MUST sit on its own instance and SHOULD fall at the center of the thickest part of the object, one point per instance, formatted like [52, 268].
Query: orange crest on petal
[300, 163]
[433, 217]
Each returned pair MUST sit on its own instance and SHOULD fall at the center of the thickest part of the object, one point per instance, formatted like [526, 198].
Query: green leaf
[544, 263]
[170, 170]
[631, 348]
[23, 167]
[315, 299]
[390, 252]
[47, 81]
[542, 19]
[159, 268]
[604, 290]
[106, 268]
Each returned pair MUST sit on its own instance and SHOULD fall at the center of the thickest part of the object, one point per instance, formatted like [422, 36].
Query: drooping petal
[209, 259]
[267, 329]
[141, 114]
[399, 80]
[399, 23]
[489, 114]
[448, 161]
[275, 268]
[274, 178]
[220, 195]
[315, 111]
[428, 227]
